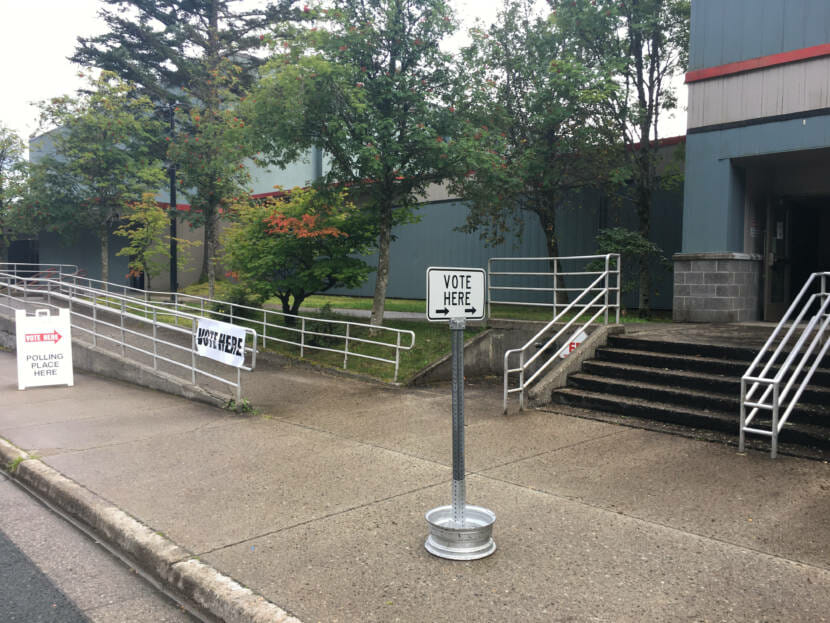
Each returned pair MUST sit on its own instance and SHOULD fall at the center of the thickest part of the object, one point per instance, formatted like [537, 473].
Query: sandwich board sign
[221, 341]
[44, 348]
[455, 293]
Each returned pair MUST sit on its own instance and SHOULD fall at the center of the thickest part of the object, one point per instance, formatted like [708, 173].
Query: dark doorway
[810, 250]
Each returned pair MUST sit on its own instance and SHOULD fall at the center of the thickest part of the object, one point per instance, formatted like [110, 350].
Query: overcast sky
[36, 36]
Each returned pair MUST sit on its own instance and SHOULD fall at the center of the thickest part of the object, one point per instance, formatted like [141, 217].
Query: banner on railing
[221, 342]
[44, 348]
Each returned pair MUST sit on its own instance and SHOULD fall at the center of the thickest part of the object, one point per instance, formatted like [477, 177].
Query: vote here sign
[455, 293]
[221, 341]
[44, 348]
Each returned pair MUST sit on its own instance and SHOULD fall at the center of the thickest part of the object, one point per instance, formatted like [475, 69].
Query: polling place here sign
[44, 348]
[221, 341]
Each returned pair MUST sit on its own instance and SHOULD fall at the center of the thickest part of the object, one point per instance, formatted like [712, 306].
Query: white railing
[549, 282]
[91, 311]
[595, 300]
[344, 337]
[799, 351]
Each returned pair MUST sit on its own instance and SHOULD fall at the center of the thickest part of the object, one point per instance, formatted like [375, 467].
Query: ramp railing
[595, 300]
[352, 340]
[776, 378]
[131, 325]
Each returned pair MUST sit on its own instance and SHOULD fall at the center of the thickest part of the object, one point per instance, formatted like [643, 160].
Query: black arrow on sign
[444, 311]
[469, 310]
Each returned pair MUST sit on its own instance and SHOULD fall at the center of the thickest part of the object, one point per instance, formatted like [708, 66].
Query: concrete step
[701, 381]
[732, 353]
[682, 397]
[691, 363]
[796, 432]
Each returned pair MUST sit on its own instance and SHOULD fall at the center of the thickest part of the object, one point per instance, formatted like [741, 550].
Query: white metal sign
[221, 341]
[44, 348]
[455, 293]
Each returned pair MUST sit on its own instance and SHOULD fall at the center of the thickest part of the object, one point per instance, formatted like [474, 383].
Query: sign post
[459, 531]
[44, 348]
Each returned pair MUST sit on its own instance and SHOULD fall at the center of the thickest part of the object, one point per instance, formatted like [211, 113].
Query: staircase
[687, 384]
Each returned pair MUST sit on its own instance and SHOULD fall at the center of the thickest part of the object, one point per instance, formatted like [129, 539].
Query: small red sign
[54, 336]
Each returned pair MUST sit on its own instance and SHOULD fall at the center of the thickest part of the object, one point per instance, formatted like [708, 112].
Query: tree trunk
[211, 248]
[104, 236]
[382, 280]
[643, 211]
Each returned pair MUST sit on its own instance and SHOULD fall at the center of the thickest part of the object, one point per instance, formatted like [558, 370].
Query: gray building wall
[726, 31]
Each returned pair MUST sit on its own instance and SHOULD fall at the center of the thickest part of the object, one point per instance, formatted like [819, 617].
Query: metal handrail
[605, 285]
[271, 331]
[808, 338]
[126, 308]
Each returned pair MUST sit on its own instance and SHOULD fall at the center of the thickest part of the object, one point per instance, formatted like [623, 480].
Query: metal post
[123, 351]
[458, 485]
[554, 287]
[174, 261]
[238, 388]
[742, 432]
[607, 268]
[346, 351]
[193, 353]
[155, 341]
[302, 337]
[521, 380]
[397, 356]
[94, 320]
[774, 449]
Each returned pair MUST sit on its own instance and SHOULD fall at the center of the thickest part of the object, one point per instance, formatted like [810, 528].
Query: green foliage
[634, 250]
[13, 177]
[146, 230]
[368, 83]
[534, 126]
[161, 45]
[204, 54]
[209, 155]
[295, 245]
[101, 161]
[646, 43]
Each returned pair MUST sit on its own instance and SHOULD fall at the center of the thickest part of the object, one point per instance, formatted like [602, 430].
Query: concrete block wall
[717, 287]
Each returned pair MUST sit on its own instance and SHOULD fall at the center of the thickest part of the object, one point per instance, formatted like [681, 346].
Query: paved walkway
[318, 502]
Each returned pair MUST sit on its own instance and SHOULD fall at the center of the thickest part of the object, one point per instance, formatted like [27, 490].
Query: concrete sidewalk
[317, 503]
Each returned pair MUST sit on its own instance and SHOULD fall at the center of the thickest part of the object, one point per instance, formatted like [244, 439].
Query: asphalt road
[52, 572]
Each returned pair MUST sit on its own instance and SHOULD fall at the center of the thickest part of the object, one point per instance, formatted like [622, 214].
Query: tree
[295, 245]
[534, 126]
[13, 175]
[646, 43]
[368, 87]
[202, 51]
[101, 161]
[210, 165]
[148, 244]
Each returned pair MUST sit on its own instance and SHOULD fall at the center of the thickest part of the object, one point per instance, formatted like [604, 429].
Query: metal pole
[174, 260]
[741, 431]
[459, 493]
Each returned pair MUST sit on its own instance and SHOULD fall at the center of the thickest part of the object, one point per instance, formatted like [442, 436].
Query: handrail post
[346, 350]
[741, 431]
[123, 350]
[302, 337]
[521, 380]
[489, 292]
[607, 268]
[193, 353]
[775, 413]
[155, 342]
[398, 355]
[94, 320]
[554, 288]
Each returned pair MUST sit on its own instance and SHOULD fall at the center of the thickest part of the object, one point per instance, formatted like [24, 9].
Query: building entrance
[797, 243]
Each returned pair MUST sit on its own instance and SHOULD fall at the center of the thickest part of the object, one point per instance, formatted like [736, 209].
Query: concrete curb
[216, 594]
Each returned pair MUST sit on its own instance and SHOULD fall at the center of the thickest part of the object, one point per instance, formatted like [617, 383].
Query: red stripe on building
[762, 62]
